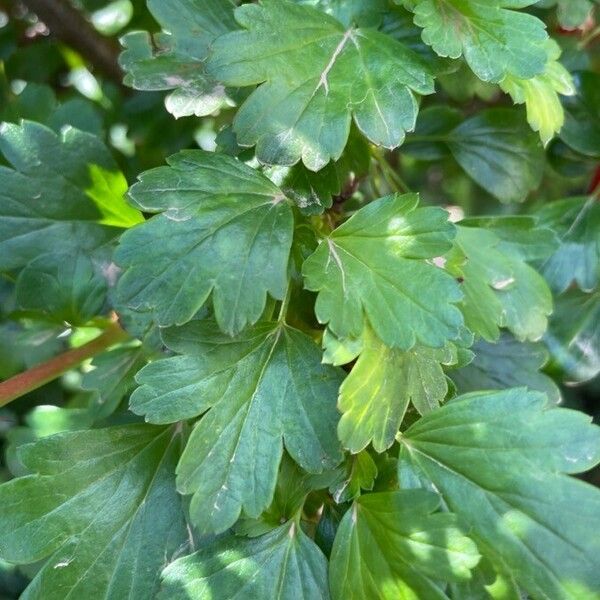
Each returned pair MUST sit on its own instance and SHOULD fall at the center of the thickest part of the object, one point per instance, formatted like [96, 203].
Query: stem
[36, 377]
[585, 40]
[70, 26]
[389, 174]
[285, 304]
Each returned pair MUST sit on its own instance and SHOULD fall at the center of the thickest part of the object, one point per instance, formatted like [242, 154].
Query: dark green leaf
[102, 506]
[174, 59]
[64, 193]
[262, 389]
[316, 73]
[225, 231]
[573, 337]
[505, 364]
[577, 258]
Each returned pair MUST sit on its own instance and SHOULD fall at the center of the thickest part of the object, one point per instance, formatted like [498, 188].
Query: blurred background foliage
[70, 77]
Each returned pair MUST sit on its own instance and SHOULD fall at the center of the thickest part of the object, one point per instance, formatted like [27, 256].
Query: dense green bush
[340, 337]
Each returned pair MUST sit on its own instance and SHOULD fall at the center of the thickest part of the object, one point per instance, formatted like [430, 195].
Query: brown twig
[69, 25]
[39, 375]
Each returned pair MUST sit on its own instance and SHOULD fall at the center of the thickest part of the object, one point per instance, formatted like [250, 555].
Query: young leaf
[498, 459]
[377, 392]
[262, 389]
[371, 266]
[316, 74]
[284, 563]
[225, 231]
[175, 60]
[505, 364]
[102, 506]
[577, 258]
[64, 193]
[545, 113]
[494, 40]
[393, 545]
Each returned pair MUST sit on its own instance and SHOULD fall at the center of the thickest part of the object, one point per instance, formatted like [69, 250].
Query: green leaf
[314, 192]
[505, 364]
[499, 152]
[393, 545]
[285, 563]
[573, 336]
[526, 236]
[573, 13]
[260, 390]
[365, 13]
[378, 390]
[225, 231]
[361, 472]
[101, 506]
[577, 258]
[372, 266]
[582, 121]
[498, 460]
[111, 378]
[174, 58]
[500, 289]
[494, 40]
[62, 287]
[316, 74]
[540, 94]
[64, 193]
[293, 487]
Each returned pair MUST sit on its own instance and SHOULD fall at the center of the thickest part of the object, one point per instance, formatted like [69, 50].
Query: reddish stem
[39, 375]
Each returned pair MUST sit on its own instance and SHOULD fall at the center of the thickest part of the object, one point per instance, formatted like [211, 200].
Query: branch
[69, 25]
[36, 377]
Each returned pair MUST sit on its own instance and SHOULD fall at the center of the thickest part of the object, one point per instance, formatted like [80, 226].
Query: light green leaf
[494, 40]
[174, 58]
[225, 231]
[540, 94]
[285, 564]
[577, 258]
[573, 336]
[505, 364]
[498, 460]
[62, 287]
[261, 390]
[59, 194]
[393, 545]
[378, 390]
[102, 506]
[316, 74]
[372, 266]
[500, 289]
